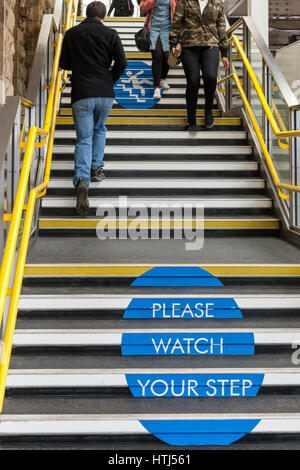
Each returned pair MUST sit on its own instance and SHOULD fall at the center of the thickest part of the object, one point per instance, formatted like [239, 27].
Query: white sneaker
[157, 94]
[164, 85]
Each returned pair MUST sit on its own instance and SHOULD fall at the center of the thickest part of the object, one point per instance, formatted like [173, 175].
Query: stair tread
[144, 408]
[88, 360]
[22, 373]
[136, 149]
[250, 250]
[43, 322]
[123, 290]
[134, 415]
[207, 134]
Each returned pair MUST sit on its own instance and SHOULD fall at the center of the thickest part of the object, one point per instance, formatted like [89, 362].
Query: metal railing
[256, 84]
[39, 144]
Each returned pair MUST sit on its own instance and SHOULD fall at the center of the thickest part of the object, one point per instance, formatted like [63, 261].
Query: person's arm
[147, 5]
[112, 7]
[65, 61]
[176, 26]
[221, 27]
[119, 57]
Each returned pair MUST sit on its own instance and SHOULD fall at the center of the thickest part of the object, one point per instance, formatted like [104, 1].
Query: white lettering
[188, 310]
[173, 388]
[161, 344]
[196, 345]
[207, 310]
[177, 345]
[192, 384]
[246, 384]
[212, 344]
[200, 310]
[143, 386]
[232, 386]
[223, 381]
[163, 392]
[188, 344]
[173, 311]
[211, 394]
[179, 310]
[155, 308]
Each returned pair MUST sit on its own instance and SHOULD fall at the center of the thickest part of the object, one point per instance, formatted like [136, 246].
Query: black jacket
[122, 8]
[88, 50]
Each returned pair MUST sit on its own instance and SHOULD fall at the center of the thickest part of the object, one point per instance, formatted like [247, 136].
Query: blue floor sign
[187, 344]
[200, 432]
[177, 277]
[194, 385]
[187, 308]
[135, 88]
[189, 385]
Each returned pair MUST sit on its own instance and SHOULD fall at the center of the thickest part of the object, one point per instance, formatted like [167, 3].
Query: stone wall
[20, 57]
[29, 14]
[20, 22]
[7, 48]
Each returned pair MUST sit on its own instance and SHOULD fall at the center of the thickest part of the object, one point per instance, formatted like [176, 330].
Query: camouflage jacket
[190, 28]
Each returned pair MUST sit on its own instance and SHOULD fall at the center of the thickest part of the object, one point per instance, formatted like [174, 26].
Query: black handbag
[142, 38]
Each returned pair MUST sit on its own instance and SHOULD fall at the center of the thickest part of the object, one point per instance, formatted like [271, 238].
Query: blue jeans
[89, 116]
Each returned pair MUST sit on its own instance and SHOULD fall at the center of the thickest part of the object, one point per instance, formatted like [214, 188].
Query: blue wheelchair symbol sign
[134, 90]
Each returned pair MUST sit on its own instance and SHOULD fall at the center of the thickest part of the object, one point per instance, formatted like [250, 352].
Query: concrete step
[187, 428]
[164, 183]
[161, 151]
[174, 166]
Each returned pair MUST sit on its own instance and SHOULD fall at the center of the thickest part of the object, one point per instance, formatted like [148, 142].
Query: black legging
[160, 66]
[194, 59]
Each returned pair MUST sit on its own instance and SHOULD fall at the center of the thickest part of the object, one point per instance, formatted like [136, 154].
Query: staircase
[143, 344]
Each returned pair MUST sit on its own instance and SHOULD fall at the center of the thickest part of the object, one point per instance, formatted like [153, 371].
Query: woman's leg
[209, 63]
[157, 61]
[165, 66]
[165, 45]
[191, 67]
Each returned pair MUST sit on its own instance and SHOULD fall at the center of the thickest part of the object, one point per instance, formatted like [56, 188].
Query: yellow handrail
[277, 115]
[287, 134]
[49, 108]
[12, 237]
[282, 125]
[268, 158]
[16, 290]
[39, 191]
[260, 93]
[51, 135]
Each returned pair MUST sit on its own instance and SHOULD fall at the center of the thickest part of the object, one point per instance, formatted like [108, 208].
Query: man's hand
[226, 63]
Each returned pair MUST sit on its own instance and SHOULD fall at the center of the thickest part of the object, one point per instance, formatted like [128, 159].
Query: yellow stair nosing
[133, 270]
[155, 111]
[155, 120]
[212, 223]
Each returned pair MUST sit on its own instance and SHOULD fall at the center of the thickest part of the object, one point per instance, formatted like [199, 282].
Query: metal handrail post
[295, 170]
[267, 126]
[13, 160]
[2, 200]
